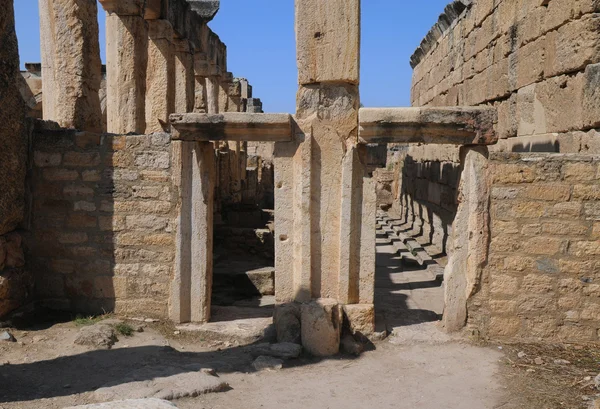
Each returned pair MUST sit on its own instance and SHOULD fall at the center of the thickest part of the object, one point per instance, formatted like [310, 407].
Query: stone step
[410, 249]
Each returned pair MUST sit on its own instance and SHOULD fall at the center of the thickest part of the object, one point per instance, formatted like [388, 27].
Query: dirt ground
[417, 366]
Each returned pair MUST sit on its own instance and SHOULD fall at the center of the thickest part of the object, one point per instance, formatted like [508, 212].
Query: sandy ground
[417, 366]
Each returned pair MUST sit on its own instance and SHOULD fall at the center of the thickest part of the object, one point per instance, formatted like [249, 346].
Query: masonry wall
[103, 234]
[536, 61]
[542, 278]
[15, 279]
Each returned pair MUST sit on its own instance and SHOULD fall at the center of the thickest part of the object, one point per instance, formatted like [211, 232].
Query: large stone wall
[15, 282]
[103, 234]
[542, 278]
[537, 62]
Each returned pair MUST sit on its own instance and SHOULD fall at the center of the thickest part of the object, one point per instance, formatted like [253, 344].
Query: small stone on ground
[101, 336]
[7, 336]
[267, 362]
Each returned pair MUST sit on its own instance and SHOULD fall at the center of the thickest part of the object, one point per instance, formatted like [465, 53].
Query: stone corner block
[360, 318]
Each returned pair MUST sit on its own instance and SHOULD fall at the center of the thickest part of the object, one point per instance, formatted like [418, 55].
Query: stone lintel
[232, 126]
[124, 7]
[448, 125]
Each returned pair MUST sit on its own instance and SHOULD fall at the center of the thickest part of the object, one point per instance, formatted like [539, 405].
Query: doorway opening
[417, 204]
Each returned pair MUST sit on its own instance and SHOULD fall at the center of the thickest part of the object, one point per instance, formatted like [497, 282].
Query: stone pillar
[194, 176]
[324, 197]
[468, 245]
[71, 66]
[184, 77]
[126, 63]
[160, 76]
[200, 73]
[213, 83]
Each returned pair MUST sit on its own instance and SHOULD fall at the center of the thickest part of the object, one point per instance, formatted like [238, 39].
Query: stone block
[287, 322]
[591, 96]
[328, 41]
[321, 325]
[573, 46]
[360, 318]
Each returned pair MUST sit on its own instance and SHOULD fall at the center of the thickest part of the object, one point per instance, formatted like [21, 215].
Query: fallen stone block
[321, 325]
[101, 336]
[284, 350]
[163, 383]
[287, 323]
[129, 404]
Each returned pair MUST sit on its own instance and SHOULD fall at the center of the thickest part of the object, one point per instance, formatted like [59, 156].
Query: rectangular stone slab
[231, 126]
[451, 125]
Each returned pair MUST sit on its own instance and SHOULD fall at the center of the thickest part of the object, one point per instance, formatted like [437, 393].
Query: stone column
[160, 76]
[200, 73]
[71, 66]
[184, 77]
[212, 94]
[324, 198]
[126, 63]
[192, 285]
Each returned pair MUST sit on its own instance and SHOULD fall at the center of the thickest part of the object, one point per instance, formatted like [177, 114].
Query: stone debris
[7, 337]
[151, 403]
[351, 346]
[168, 383]
[284, 350]
[538, 361]
[597, 381]
[100, 336]
[561, 362]
[267, 363]
[521, 355]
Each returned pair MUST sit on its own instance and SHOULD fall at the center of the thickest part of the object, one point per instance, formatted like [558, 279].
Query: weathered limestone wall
[537, 62]
[103, 233]
[14, 134]
[542, 276]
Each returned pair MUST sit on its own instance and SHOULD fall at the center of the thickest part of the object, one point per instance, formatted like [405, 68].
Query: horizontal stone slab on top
[231, 126]
[447, 125]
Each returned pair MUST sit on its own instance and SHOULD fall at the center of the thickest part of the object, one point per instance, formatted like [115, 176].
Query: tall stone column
[160, 76]
[184, 76]
[71, 66]
[126, 64]
[194, 176]
[324, 198]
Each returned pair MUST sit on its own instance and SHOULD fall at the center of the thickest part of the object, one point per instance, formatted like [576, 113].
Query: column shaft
[184, 77]
[126, 63]
[160, 76]
[71, 66]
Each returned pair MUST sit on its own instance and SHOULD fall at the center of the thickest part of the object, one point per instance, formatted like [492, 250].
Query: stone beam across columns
[232, 126]
[448, 125]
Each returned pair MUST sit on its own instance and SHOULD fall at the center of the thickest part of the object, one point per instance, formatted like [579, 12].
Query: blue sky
[260, 38]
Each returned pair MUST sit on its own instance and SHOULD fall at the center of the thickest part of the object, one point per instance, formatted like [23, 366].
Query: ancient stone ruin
[137, 188]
